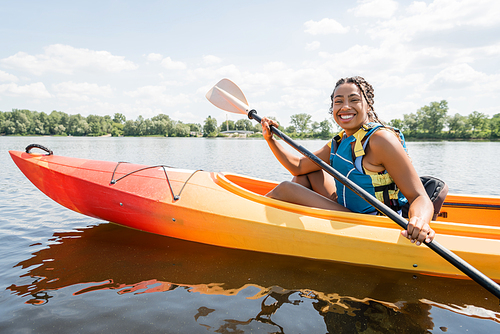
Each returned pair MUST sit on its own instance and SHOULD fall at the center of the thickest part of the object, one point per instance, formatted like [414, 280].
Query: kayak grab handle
[43, 148]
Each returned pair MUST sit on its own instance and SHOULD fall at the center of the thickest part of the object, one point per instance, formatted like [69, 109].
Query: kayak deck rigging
[163, 167]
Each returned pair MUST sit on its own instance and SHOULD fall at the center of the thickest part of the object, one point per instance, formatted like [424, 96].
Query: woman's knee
[322, 183]
[282, 190]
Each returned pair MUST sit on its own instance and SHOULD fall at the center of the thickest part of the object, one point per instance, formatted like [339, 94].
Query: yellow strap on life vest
[359, 135]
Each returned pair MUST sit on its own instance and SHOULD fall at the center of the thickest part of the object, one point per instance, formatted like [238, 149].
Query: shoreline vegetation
[430, 122]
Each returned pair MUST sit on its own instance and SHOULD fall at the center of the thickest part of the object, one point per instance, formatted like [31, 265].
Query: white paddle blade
[229, 97]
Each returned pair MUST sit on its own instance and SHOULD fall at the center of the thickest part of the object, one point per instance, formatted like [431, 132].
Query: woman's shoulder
[383, 137]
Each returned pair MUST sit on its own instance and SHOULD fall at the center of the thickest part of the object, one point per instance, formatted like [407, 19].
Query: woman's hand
[266, 131]
[418, 230]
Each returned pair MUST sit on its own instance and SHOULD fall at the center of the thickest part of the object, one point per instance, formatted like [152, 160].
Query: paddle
[227, 96]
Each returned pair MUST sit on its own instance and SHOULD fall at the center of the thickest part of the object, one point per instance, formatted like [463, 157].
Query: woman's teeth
[346, 116]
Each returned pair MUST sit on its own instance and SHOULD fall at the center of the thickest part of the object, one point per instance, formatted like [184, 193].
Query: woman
[378, 154]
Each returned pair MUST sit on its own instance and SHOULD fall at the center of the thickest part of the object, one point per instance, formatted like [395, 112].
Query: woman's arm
[294, 164]
[386, 152]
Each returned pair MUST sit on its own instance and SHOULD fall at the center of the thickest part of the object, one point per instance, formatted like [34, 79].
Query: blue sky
[151, 57]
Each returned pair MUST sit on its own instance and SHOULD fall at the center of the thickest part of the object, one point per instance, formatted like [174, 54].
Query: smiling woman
[369, 153]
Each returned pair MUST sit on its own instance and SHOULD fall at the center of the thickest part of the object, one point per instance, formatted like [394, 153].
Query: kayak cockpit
[481, 221]
[258, 186]
[255, 190]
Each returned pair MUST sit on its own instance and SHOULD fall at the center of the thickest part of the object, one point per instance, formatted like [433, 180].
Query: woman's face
[350, 110]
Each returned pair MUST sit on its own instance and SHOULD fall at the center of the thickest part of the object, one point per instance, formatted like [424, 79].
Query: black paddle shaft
[442, 251]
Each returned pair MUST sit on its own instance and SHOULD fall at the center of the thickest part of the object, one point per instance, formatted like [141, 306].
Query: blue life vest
[349, 163]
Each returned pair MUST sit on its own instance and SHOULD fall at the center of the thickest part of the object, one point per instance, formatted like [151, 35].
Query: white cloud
[474, 54]
[66, 59]
[491, 50]
[417, 7]
[391, 81]
[300, 98]
[357, 57]
[480, 13]
[169, 64]
[185, 117]
[211, 60]
[35, 90]
[4, 76]
[313, 46]
[154, 57]
[213, 74]
[383, 9]
[440, 15]
[458, 76]
[324, 27]
[157, 96]
[81, 91]
[147, 91]
[275, 66]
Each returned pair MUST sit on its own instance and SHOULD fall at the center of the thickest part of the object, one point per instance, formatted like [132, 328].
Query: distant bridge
[241, 132]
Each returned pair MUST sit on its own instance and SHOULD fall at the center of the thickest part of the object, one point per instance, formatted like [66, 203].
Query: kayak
[231, 210]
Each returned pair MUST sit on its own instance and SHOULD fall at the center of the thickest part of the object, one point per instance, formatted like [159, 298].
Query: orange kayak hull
[230, 210]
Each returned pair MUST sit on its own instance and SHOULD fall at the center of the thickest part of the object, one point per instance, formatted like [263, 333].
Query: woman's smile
[346, 117]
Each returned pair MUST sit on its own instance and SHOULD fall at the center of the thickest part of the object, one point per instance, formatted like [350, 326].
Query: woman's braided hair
[367, 91]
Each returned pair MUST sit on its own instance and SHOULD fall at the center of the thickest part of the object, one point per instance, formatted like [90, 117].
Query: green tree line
[429, 122]
[26, 122]
[433, 122]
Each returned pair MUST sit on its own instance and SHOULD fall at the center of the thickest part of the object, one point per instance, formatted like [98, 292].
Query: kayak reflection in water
[366, 151]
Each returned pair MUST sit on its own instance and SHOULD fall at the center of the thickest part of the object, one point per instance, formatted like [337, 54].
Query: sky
[161, 57]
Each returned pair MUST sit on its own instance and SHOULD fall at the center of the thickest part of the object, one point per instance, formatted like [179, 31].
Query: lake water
[64, 272]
